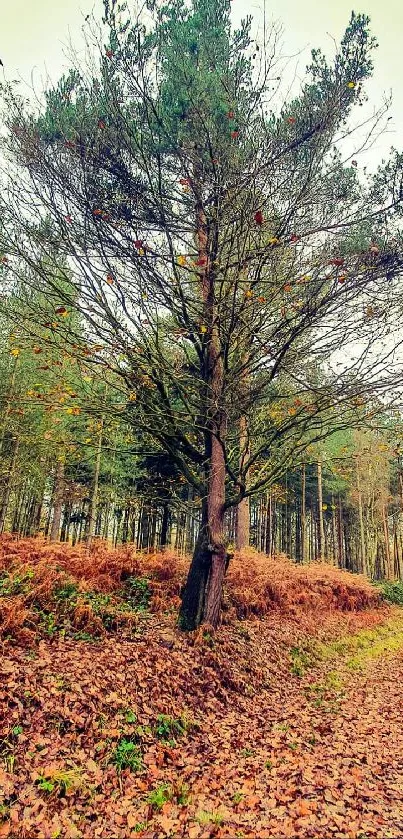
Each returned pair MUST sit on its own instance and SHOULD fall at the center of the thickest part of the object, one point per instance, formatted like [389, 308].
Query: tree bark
[8, 486]
[364, 568]
[321, 527]
[164, 525]
[243, 510]
[203, 590]
[193, 595]
[57, 501]
[303, 515]
[269, 524]
[388, 572]
[94, 494]
[340, 534]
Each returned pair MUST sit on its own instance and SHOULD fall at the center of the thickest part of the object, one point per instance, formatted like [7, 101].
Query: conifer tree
[212, 240]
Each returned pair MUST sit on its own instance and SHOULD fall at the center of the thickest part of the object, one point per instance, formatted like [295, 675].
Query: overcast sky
[34, 35]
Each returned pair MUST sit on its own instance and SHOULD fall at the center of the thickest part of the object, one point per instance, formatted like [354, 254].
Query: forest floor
[283, 726]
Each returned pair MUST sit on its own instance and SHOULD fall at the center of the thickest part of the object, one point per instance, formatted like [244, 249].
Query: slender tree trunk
[364, 568]
[9, 402]
[164, 525]
[334, 536]
[269, 524]
[340, 534]
[388, 572]
[204, 586]
[215, 506]
[153, 528]
[36, 523]
[8, 486]
[65, 522]
[94, 494]
[303, 515]
[243, 510]
[125, 526]
[321, 527]
[58, 493]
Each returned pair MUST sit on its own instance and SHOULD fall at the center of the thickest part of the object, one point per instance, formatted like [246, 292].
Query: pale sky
[34, 35]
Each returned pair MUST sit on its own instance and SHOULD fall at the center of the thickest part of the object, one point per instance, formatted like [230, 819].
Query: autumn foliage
[259, 584]
[115, 723]
[91, 589]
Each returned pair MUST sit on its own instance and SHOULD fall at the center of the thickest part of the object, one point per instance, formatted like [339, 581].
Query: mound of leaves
[172, 734]
[57, 588]
[259, 584]
[47, 589]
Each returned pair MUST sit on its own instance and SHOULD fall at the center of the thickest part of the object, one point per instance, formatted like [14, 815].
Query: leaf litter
[270, 727]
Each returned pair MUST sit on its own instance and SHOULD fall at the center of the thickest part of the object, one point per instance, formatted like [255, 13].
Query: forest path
[326, 757]
[314, 750]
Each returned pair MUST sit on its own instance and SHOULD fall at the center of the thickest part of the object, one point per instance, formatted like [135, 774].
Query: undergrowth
[55, 589]
[353, 650]
[392, 592]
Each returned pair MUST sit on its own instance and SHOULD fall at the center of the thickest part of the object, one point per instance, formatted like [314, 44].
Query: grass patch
[367, 644]
[177, 792]
[301, 660]
[169, 728]
[60, 782]
[207, 817]
[392, 592]
[127, 755]
[19, 583]
[137, 593]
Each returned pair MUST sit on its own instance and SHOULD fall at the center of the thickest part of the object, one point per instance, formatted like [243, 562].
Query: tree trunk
[243, 511]
[9, 402]
[36, 522]
[364, 568]
[334, 536]
[388, 571]
[164, 525]
[193, 595]
[269, 524]
[321, 527]
[57, 501]
[340, 534]
[303, 515]
[8, 486]
[215, 506]
[203, 590]
[94, 495]
[65, 523]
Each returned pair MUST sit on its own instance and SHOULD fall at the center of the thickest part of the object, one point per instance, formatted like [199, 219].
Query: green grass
[159, 796]
[127, 755]
[168, 728]
[365, 645]
[59, 781]
[137, 593]
[207, 817]
[11, 585]
[392, 592]
[301, 660]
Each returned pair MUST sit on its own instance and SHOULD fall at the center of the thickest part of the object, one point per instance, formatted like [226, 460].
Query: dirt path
[305, 747]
